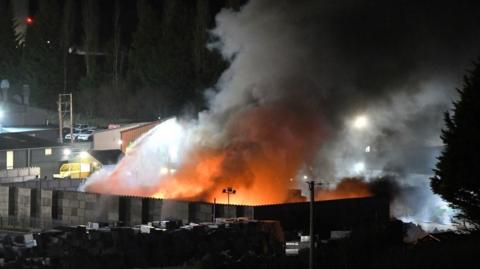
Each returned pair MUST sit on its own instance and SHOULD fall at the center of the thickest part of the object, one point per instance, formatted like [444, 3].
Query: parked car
[85, 135]
[68, 136]
[80, 126]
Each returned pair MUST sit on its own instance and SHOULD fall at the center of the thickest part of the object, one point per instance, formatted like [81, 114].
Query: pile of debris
[158, 244]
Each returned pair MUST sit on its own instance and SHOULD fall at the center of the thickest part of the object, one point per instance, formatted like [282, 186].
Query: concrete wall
[74, 208]
[79, 208]
[130, 210]
[201, 212]
[4, 200]
[55, 184]
[71, 207]
[154, 209]
[23, 201]
[172, 209]
[46, 204]
[19, 174]
[106, 208]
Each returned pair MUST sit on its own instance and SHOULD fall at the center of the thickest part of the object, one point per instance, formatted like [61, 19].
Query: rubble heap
[159, 244]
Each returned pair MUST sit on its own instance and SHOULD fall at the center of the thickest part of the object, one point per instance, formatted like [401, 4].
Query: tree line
[120, 58]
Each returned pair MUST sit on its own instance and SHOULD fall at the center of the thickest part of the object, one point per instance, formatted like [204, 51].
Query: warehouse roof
[23, 141]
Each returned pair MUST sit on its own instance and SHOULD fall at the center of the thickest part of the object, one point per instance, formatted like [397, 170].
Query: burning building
[281, 113]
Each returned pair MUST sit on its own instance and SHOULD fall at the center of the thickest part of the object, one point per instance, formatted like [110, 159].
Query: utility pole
[65, 110]
[214, 208]
[311, 187]
[229, 191]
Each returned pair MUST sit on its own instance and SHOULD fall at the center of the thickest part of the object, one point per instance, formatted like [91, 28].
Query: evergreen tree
[208, 64]
[43, 55]
[67, 42]
[9, 49]
[176, 53]
[169, 61]
[144, 73]
[456, 177]
[88, 85]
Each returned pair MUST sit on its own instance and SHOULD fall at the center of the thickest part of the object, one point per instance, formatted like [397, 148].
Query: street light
[229, 191]
[360, 122]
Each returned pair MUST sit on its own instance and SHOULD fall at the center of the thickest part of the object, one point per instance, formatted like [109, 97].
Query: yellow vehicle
[74, 171]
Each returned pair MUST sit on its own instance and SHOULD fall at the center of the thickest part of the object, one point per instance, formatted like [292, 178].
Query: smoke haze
[299, 74]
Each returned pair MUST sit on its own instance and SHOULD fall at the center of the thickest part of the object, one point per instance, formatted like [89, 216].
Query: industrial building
[120, 137]
[19, 153]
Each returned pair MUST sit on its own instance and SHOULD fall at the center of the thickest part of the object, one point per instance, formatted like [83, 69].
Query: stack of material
[199, 245]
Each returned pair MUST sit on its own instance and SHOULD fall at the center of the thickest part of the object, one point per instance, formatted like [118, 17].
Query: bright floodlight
[360, 122]
[67, 152]
[359, 167]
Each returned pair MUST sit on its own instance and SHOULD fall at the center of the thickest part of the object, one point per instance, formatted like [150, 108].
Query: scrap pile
[225, 244]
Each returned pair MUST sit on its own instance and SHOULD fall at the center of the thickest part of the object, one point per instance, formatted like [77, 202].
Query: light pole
[229, 191]
[311, 187]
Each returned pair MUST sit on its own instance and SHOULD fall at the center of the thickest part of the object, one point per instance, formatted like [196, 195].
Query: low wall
[51, 184]
[47, 208]
[19, 174]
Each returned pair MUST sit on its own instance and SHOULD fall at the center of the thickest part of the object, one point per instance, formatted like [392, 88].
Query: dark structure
[344, 214]
[77, 208]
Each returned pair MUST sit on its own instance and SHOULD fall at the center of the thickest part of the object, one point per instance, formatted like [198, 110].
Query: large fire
[262, 151]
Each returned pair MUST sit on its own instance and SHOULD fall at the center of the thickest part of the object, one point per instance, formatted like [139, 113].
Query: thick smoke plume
[299, 74]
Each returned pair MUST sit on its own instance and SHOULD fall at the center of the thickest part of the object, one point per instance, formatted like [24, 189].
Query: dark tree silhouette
[43, 55]
[9, 49]
[457, 178]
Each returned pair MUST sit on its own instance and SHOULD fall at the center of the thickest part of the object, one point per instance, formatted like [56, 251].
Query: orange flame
[265, 147]
[347, 188]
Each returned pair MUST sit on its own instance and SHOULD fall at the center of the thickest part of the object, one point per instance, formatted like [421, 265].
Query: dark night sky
[375, 33]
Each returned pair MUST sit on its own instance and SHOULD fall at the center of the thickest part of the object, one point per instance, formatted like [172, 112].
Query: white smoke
[300, 53]
[270, 42]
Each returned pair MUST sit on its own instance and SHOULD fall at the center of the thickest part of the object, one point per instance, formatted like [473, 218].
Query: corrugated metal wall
[130, 135]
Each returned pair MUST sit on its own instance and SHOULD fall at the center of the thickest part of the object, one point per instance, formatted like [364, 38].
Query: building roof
[23, 141]
[122, 127]
[145, 124]
[106, 157]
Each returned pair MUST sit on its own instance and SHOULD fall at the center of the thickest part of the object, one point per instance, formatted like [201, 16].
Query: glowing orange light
[267, 147]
